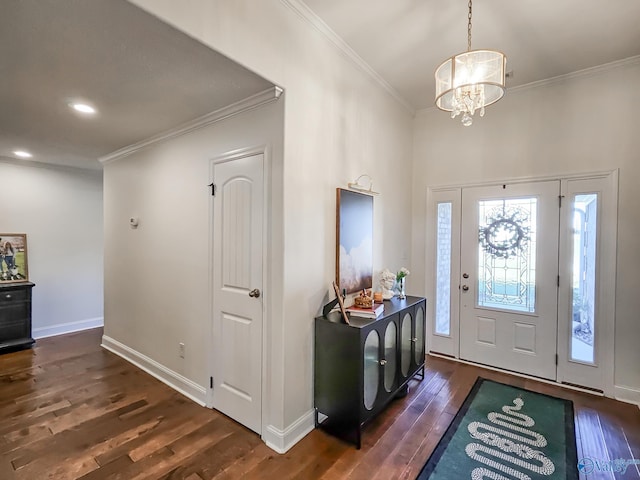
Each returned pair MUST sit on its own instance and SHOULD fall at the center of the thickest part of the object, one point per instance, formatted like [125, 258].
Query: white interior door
[237, 283]
[509, 276]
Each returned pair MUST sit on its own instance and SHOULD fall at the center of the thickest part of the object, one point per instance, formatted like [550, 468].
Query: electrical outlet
[181, 350]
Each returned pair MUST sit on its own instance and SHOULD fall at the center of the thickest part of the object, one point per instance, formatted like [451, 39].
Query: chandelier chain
[469, 29]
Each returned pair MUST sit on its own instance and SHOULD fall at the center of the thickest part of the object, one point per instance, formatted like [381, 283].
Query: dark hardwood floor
[69, 409]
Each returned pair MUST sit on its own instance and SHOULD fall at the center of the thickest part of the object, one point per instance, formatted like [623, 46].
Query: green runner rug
[504, 432]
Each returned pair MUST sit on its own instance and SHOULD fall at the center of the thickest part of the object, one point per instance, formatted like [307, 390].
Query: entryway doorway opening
[522, 276]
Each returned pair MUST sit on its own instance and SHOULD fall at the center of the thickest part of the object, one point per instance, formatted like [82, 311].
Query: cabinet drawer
[10, 296]
[14, 323]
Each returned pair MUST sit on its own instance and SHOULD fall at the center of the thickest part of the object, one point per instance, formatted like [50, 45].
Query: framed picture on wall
[354, 240]
[13, 258]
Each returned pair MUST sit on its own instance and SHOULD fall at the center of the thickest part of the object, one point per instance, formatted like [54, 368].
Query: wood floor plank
[593, 442]
[405, 451]
[291, 464]
[210, 462]
[246, 463]
[427, 447]
[166, 422]
[185, 449]
[70, 409]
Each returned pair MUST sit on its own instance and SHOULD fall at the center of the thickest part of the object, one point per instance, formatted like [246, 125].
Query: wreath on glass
[505, 232]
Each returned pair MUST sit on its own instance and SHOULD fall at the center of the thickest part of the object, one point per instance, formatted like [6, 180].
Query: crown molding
[267, 96]
[584, 73]
[308, 15]
[94, 172]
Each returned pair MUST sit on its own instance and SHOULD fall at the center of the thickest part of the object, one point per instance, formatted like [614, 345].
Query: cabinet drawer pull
[415, 339]
[8, 296]
[383, 362]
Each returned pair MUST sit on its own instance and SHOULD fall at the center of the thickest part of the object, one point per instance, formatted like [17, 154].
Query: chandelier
[469, 81]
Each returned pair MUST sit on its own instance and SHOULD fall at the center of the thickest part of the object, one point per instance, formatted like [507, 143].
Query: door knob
[465, 288]
[255, 293]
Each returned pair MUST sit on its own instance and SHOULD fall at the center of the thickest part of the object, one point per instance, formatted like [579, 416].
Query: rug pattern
[503, 432]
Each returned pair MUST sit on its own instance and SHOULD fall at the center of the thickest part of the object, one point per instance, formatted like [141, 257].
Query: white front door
[237, 289]
[509, 276]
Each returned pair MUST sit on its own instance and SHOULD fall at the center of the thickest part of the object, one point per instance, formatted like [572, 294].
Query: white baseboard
[282, 440]
[627, 394]
[182, 384]
[70, 327]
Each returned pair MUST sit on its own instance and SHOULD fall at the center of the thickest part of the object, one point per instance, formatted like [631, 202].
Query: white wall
[339, 124]
[157, 286]
[587, 123]
[60, 210]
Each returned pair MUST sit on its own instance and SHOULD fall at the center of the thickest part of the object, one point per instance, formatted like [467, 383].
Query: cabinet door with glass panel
[412, 340]
[381, 357]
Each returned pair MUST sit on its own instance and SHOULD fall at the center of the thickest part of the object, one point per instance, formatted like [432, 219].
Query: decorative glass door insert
[507, 254]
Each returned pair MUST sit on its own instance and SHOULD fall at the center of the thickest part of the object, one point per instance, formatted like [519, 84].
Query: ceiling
[405, 40]
[146, 78]
[143, 76]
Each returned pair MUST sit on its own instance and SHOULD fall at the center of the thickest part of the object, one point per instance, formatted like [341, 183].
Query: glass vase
[401, 294]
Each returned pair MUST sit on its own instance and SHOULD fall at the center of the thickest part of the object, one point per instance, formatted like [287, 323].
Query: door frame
[606, 267]
[607, 275]
[237, 154]
[448, 345]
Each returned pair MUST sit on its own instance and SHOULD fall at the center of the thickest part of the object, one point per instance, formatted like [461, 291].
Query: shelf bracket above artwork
[362, 186]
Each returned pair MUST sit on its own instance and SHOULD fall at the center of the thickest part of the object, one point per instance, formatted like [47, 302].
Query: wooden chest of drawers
[15, 316]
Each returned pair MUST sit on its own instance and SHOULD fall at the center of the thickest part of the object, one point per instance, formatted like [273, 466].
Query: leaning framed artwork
[354, 240]
[13, 258]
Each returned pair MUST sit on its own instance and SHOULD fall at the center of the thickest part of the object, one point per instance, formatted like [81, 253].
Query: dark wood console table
[361, 367]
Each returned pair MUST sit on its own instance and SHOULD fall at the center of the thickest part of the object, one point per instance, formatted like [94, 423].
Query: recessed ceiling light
[83, 108]
[22, 154]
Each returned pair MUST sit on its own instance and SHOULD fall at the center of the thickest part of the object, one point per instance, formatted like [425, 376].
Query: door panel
[236, 231]
[509, 265]
[390, 355]
[237, 271]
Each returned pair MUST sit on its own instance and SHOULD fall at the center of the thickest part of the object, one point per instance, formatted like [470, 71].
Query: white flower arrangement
[402, 273]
